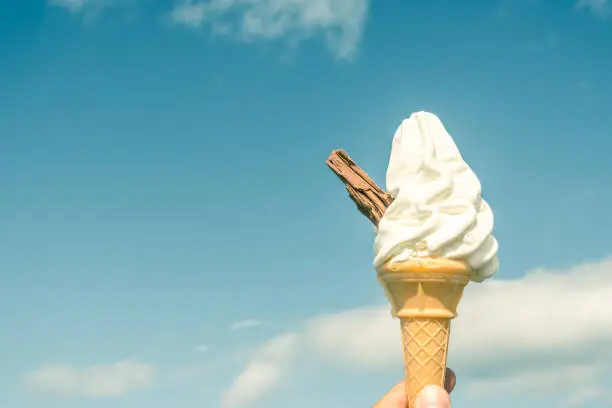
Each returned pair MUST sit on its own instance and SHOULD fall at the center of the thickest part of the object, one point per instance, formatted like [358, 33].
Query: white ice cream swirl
[437, 209]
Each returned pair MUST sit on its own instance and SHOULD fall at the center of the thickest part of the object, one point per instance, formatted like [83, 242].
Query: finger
[450, 379]
[432, 396]
[395, 398]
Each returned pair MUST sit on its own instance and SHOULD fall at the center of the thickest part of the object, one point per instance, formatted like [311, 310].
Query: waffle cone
[424, 295]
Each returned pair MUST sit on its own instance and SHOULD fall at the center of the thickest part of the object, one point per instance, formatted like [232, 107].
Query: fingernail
[432, 396]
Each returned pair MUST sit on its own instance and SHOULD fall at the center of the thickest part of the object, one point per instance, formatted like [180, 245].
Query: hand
[431, 396]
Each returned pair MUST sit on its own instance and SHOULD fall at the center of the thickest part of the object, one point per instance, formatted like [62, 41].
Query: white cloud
[545, 331]
[537, 317]
[201, 348]
[584, 86]
[340, 22]
[111, 380]
[538, 381]
[264, 371]
[72, 5]
[89, 7]
[601, 396]
[89, 10]
[189, 14]
[597, 7]
[366, 338]
[248, 324]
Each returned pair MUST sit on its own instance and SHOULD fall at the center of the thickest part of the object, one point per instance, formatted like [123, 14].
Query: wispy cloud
[339, 22]
[536, 312]
[539, 381]
[601, 396]
[248, 324]
[264, 372]
[542, 332]
[200, 348]
[600, 8]
[111, 380]
[189, 14]
[90, 10]
[584, 85]
[73, 6]
[88, 7]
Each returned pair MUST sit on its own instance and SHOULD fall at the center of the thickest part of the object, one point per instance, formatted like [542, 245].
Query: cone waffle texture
[424, 295]
[425, 346]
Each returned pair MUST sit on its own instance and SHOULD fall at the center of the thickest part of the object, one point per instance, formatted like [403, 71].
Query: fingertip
[400, 385]
[398, 391]
[432, 396]
[396, 397]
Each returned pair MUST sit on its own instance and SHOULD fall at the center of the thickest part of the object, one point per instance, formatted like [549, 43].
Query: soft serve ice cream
[437, 210]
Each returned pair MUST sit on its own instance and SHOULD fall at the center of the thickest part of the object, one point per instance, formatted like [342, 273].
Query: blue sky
[171, 236]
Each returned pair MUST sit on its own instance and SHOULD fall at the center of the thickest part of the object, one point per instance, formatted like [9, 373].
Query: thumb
[432, 397]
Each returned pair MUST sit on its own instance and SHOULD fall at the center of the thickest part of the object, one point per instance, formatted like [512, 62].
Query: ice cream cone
[424, 294]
